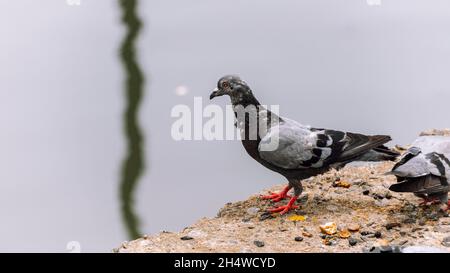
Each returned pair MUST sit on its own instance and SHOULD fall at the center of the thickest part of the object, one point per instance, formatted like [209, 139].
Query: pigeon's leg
[276, 197]
[297, 185]
[429, 201]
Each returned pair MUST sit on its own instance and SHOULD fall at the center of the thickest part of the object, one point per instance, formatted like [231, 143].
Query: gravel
[344, 206]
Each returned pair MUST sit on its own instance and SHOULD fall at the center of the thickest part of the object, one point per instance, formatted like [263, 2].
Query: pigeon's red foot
[276, 197]
[429, 201]
[284, 209]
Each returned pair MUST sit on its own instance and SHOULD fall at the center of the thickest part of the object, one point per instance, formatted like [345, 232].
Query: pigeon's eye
[225, 85]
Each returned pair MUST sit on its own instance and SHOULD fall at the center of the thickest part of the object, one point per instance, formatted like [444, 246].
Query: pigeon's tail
[408, 185]
[380, 153]
[428, 185]
[361, 144]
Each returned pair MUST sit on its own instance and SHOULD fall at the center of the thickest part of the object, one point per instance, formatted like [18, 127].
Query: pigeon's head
[233, 86]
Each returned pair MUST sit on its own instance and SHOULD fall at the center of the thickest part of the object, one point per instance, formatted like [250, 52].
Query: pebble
[344, 234]
[391, 225]
[388, 195]
[329, 228]
[446, 241]
[365, 233]
[378, 234]
[353, 227]
[352, 241]
[409, 221]
[298, 239]
[341, 184]
[259, 243]
[265, 216]
[253, 210]
[366, 192]
[185, 238]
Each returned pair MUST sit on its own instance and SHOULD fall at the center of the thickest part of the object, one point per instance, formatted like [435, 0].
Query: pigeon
[289, 148]
[424, 169]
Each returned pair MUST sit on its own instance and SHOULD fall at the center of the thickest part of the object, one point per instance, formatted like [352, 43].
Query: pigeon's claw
[283, 209]
[277, 197]
[286, 208]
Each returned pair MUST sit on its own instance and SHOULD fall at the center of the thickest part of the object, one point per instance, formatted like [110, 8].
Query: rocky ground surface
[350, 210]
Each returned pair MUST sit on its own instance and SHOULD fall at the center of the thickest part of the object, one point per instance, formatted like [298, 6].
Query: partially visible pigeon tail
[407, 185]
[427, 184]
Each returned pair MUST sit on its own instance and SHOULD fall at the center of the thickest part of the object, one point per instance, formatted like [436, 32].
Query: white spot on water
[181, 90]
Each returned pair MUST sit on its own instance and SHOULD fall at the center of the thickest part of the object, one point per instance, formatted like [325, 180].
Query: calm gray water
[336, 64]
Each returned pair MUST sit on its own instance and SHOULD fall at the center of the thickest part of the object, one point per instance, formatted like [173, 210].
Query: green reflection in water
[133, 163]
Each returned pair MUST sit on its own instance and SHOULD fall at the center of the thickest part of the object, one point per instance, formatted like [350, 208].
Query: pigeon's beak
[216, 93]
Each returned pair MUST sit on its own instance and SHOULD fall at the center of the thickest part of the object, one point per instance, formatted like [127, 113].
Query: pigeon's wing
[422, 173]
[414, 163]
[292, 146]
